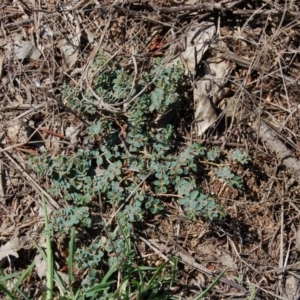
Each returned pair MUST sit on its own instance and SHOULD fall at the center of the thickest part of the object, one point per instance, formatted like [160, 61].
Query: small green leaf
[193, 195]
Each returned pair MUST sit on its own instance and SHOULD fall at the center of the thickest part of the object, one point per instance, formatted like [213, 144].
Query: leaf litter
[249, 50]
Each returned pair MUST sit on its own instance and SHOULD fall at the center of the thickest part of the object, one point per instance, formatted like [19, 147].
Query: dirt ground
[259, 239]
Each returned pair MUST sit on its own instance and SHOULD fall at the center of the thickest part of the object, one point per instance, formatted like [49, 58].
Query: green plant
[139, 153]
[227, 176]
[133, 168]
[64, 218]
[10, 284]
[213, 154]
[138, 282]
[241, 157]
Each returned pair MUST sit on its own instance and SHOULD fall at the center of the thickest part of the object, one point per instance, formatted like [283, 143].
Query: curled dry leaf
[205, 113]
[196, 43]
[206, 92]
[197, 40]
[207, 89]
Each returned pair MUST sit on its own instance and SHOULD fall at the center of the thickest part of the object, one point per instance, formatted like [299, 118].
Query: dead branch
[274, 143]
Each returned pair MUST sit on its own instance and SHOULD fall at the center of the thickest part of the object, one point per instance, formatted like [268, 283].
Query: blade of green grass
[91, 292]
[7, 292]
[23, 275]
[71, 259]
[211, 286]
[50, 262]
[22, 294]
[57, 277]
[10, 276]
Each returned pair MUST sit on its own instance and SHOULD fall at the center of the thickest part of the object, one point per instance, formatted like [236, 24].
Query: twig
[246, 63]
[2, 194]
[190, 260]
[272, 140]
[267, 12]
[201, 6]
[53, 204]
[33, 109]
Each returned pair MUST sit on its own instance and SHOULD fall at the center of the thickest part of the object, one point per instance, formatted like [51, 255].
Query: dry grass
[258, 238]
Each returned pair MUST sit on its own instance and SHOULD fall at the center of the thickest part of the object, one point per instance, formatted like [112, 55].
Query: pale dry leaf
[10, 248]
[26, 50]
[17, 133]
[40, 266]
[196, 43]
[226, 260]
[46, 32]
[206, 93]
[69, 52]
[205, 113]
[292, 288]
[197, 40]
[71, 133]
[217, 76]
[70, 48]
[90, 35]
